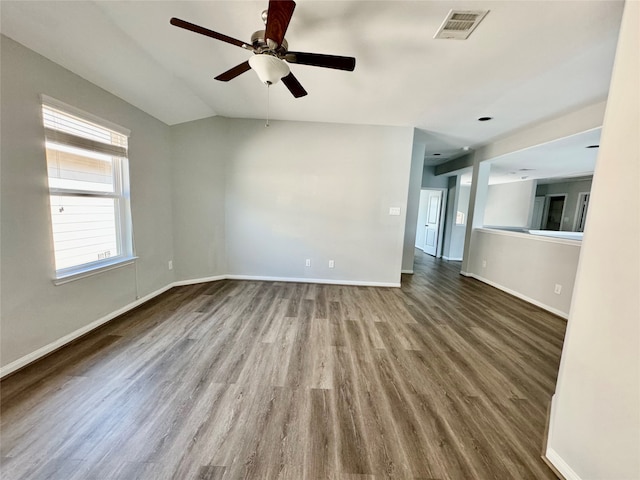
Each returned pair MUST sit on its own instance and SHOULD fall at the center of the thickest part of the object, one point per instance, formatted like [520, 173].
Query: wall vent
[460, 23]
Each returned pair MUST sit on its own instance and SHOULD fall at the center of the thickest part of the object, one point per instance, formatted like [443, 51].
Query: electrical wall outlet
[332, 264]
[170, 264]
[307, 262]
[558, 289]
[484, 263]
[395, 211]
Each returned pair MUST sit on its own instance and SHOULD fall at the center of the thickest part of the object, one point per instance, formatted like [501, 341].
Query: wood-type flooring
[444, 378]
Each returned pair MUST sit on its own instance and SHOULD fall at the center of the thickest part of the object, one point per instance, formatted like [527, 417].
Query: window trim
[120, 194]
[92, 269]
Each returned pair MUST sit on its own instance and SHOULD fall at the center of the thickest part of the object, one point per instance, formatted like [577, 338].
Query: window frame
[120, 195]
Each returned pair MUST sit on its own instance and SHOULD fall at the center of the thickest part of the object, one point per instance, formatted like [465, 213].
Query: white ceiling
[527, 60]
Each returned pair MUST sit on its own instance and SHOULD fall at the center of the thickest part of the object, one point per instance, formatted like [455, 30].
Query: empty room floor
[444, 378]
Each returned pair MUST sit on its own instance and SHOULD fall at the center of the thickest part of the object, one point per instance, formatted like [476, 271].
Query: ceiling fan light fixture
[269, 69]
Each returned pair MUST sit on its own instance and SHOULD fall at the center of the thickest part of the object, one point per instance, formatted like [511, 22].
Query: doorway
[554, 212]
[430, 218]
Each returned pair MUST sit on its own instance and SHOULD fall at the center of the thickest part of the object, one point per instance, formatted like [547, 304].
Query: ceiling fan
[271, 55]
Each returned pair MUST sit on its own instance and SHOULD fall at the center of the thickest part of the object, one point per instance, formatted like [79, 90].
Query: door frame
[576, 217]
[443, 214]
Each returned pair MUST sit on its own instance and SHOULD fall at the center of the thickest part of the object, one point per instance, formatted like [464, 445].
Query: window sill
[90, 271]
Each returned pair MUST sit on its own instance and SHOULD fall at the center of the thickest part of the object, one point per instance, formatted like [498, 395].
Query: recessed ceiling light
[485, 119]
[593, 146]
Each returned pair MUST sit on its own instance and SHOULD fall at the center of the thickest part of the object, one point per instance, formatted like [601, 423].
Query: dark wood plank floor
[445, 378]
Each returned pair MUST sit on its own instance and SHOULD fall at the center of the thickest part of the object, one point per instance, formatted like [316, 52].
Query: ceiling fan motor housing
[260, 44]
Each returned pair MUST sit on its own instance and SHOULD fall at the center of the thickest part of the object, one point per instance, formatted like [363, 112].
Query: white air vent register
[460, 23]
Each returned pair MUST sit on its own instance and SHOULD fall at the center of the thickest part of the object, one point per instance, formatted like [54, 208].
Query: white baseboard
[47, 349]
[62, 341]
[452, 259]
[410, 272]
[195, 281]
[262, 278]
[521, 296]
[550, 456]
[313, 280]
[559, 464]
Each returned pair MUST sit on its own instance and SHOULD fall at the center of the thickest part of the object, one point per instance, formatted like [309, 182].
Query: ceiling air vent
[460, 23]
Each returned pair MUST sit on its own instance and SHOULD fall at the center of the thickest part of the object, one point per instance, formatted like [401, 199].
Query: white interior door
[432, 223]
[422, 219]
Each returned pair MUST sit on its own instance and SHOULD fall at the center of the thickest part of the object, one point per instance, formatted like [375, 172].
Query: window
[89, 191]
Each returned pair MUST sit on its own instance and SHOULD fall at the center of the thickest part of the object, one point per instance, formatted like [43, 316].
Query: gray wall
[431, 180]
[255, 201]
[319, 191]
[595, 414]
[510, 204]
[573, 190]
[36, 313]
[527, 266]
[200, 152]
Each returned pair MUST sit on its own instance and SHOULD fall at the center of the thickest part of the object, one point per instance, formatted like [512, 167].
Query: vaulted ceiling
[527, 61]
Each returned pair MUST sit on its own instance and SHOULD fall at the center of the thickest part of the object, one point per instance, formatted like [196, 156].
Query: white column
[477, 201]
[413, 202]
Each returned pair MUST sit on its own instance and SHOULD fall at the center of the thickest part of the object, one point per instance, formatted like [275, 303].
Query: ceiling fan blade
[209, 33]
[320, 60]
[294, 86]
[234, 72]
[278, 17]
